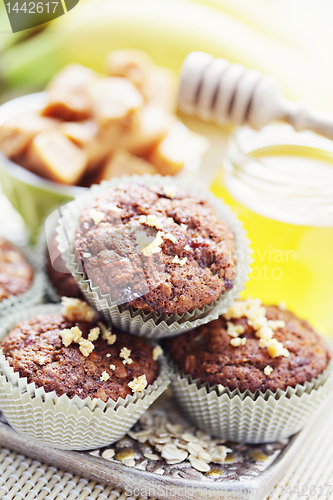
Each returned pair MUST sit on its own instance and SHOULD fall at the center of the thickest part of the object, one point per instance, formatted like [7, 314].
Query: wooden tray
[244, 477]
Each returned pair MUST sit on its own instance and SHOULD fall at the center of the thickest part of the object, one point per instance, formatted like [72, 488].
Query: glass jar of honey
[280, 183]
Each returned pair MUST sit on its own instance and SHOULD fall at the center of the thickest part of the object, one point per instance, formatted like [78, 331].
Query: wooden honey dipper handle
[215, 90]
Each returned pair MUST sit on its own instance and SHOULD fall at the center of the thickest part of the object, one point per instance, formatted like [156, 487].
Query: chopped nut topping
[177, 260]
[274, 347]
[108, 355]
[170, 191]
[77, 310]
[151, 220]
[86, 347]
[154, 246]
[268, 370]
[234, 330]
[12, 256]
[94, 334]
[274, 325]
[105, 376]
[112, 367]
[20, 271]
[107, 334]
[97, 216]
[171, 237]
[157, 352]
[256, 317]
[183, 226]
[86, 255]
[236, 342]
[125, 354]
[70, 335]
[187, 248]
[138, 384]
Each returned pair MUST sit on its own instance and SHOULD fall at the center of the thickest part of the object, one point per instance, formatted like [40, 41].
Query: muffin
[16, 274]
[22, 280]
[41, 349]
[155, 258]
[265, 357]
[228, 352]
[85, 382]
[193, 251]
[61, 282]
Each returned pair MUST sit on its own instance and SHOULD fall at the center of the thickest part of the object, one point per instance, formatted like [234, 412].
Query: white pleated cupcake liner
[247, 417]
[134, 320]
[35, 294]
[61, 422]
[50, 293]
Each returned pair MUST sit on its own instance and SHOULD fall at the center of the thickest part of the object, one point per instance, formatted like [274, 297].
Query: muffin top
[77, 357]
[252, 348]
[62, 280]
[16, 274]
[162, 250]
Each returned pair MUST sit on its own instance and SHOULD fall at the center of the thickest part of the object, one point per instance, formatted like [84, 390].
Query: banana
[264, 16]
[7, 37]
[167, 30]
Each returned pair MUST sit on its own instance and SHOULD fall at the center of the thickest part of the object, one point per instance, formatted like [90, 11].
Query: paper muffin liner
[50, 293]
[61, 422]
[134, 320]
[35, 294]
[248, 417]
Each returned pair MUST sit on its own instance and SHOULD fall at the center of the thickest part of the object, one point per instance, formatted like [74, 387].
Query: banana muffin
[60, 278]
[16, 274]
[253, 348]
[157, 249]
[74, 354]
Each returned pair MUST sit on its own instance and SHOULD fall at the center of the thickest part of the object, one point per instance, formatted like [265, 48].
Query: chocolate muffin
[78, 356]
[251, 348]
[61, 279]
[161, 250]
[16, 274]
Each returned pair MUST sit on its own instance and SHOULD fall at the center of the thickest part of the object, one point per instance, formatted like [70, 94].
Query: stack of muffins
[148, 266]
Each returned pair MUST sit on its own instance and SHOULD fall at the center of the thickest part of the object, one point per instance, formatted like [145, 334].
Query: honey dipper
[215, 90]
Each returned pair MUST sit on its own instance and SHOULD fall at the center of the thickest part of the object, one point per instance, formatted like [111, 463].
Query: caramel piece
[157, 85]
[115, 101]
[123, 163]
[80, 133]
[68, 96]
[129, 63]
[96, 143]
[160, 89]
[153, 125]
[17, 133]
[53, 156]
[179, 147]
